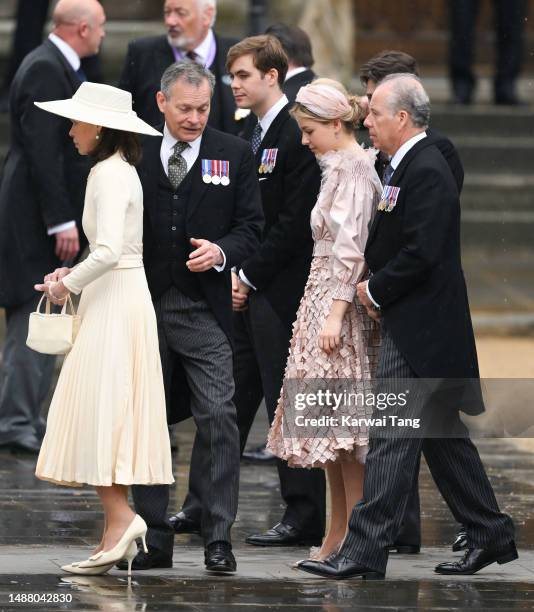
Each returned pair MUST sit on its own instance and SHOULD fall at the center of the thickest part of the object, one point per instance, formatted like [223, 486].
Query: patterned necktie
[388, 173]
[177, 165]
[255, 139]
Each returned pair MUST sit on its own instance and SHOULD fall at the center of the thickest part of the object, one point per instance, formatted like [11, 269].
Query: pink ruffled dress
[340, 221]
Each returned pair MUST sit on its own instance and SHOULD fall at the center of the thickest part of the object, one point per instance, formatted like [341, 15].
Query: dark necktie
[81, 74]
[388, 173]
[192, 56]
[177, 165]
[255, 139]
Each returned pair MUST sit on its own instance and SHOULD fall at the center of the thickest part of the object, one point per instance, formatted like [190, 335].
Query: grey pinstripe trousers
[189, 332]
[455, 466]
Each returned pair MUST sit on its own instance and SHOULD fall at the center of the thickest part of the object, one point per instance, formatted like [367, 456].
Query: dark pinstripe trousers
[189, 332]
[391, 465]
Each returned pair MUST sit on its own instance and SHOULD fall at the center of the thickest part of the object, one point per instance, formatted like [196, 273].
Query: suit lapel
[163, 56]
[396, 178]
[271, 137]
[209, 149]
[69, 72]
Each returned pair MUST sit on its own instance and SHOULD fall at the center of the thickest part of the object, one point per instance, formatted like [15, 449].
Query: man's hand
[57, 275]
[363, 298]
[240, 293]
[67, 244]
[205, 256]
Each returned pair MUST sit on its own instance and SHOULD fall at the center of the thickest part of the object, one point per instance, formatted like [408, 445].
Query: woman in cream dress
[335, 343]
[107, 421]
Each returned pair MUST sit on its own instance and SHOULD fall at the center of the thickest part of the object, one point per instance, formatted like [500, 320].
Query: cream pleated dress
[340, 220]
[107, 420]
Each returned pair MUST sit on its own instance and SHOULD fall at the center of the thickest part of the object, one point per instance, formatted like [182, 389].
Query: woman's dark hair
[112, 141]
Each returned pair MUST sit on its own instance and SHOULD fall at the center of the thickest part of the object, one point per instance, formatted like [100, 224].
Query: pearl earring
[97, 137]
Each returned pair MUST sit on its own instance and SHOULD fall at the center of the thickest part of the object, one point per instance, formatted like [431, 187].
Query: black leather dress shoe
[477, 558]
[460, 542]
[405, 549]
[283, 534]
[27, 446]
[259, 456]
[183, 524]
[155, 558]
[219, 557]
[339, 567]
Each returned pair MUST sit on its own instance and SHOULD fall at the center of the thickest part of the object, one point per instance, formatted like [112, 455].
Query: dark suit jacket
[414, 255]
[147, 60]
[281, 266]
[447, 149]
[230, 216]
[43, 181]
[292, 85]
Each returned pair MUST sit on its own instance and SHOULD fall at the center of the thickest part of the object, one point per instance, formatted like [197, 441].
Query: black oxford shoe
[477, 558]
[405, 549]
[155, 558]
[460, 542]
[218, 557]
[183, 524]
[339, 567]
[259, 456]
[283, 534]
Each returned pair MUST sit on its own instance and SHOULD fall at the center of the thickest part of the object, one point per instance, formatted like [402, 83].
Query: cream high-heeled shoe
[74, 568]
[122, 550]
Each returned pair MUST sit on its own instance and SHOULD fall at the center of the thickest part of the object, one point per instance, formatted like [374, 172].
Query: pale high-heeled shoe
[122, 550]
[74, 568]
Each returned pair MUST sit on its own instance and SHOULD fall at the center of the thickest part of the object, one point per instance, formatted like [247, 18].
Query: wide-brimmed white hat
[100, 105]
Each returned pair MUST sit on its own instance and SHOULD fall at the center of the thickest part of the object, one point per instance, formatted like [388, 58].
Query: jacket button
[173, 228]
[174, 197]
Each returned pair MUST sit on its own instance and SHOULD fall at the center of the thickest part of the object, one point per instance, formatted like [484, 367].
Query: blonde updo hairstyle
[351, 120]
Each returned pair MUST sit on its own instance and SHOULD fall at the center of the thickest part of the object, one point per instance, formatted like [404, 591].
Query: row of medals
[265, 169]
[216, 180]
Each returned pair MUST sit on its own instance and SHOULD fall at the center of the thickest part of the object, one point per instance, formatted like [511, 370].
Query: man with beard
[190, 36]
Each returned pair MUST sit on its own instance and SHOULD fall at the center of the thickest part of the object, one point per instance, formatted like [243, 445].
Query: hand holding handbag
[53, 333]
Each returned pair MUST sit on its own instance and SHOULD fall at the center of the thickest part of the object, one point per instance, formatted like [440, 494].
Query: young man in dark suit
[202, 217]
[417, 289]
[41, 204]
[270, 283]
[380, 66]
[190, 35]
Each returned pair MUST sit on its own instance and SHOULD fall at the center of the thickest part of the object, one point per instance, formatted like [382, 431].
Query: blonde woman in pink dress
[333, 337]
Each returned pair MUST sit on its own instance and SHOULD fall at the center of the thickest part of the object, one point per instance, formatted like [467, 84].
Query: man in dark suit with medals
[417, 289]
[189, 36]
[408, 540]
[41, 204]
[202, 217]
[270, 283]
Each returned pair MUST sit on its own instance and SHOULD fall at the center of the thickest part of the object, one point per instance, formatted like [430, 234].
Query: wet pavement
[45, 526]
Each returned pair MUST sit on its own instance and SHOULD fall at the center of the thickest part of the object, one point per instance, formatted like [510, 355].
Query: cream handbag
[50, 333]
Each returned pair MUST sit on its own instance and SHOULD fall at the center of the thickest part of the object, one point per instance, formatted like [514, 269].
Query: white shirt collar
[294, 71]
[203, 50]
[190, 154]
[402, 150]
[271, 114]
[66, 50]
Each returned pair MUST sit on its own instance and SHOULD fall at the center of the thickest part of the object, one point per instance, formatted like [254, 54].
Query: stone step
[491, 154]
[483, 120]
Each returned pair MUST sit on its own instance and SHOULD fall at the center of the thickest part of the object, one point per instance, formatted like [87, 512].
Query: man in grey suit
[41, 203]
